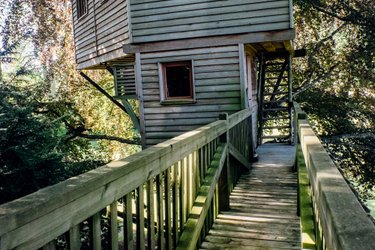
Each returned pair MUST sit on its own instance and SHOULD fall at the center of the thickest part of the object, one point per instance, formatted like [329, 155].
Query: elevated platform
[263, 204]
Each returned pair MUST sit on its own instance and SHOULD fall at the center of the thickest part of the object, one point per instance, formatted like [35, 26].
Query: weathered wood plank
[26, 222]
[334, 202]
[74, 238]
[150, 215]
[128, 222]
[140, 208]
[96, 232]
[114, 226]
[261, 215]
[194, 224]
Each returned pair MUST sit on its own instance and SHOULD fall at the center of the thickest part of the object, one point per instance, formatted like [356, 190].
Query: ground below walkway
[263, 206]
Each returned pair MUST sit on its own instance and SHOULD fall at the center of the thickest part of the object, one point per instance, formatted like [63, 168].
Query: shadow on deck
[263, 206]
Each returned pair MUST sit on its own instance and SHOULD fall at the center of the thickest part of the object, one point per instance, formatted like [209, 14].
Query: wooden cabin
[187, 61]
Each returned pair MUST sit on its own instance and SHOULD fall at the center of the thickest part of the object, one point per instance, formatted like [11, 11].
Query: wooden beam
[243, 76]
[255, 37]
[124, 107]
[236, 154]
[288, 45]
[249, 49]
[269, 47]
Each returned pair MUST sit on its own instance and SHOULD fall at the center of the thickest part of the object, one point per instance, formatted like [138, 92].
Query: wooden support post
[74, 238]
[224, 180]
[50, 246]
[96, 232]
[290, 101]
[126, 107]
[150, 215]
[128, 222]
[160, 219]
[168, 210]
[114, 226]
[175, 204]
[261, 84]
[140, 218]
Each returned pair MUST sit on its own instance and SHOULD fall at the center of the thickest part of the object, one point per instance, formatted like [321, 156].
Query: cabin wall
[100, 34]
[217, 90]
[177, 19]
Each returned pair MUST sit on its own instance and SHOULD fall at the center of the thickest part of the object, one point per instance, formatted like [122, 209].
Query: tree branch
[106, 137]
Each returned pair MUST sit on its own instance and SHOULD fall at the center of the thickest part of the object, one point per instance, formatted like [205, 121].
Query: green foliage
[335, 82]
[53, 125]
[34, 152]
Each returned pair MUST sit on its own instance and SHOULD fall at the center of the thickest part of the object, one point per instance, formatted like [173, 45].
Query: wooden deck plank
[263, 204]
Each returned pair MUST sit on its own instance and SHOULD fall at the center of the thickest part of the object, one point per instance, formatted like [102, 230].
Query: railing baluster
[96, 232]
[50, 246]
[195, 176]
[201, 165]
[150, 215]
[180, 196]
[175, 204]
[183, 192]
[140, 218]
[188, 184]
[128, 222]
[168, 209]
[160, 219]
[74, 238]
[114, 226]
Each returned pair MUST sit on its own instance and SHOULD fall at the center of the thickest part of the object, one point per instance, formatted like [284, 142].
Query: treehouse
[213, 81]
[188, 61]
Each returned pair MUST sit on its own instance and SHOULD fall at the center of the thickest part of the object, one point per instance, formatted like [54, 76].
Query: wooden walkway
[263, 206]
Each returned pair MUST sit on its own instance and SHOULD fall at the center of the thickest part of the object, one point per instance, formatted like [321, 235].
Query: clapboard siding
[217, 90]
[178, 19]
[101, 33]
[124, 75]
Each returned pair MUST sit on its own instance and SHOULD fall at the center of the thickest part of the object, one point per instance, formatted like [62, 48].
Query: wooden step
[275, 118]
[275, 136]
[280, 85]
[276, 93]
[275, 78]
[276, 101]
[274, 64]
[276, 109]
[275, 70]
[276, 127]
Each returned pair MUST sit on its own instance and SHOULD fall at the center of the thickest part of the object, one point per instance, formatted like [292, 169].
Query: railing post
[225, 178]
[252, 156]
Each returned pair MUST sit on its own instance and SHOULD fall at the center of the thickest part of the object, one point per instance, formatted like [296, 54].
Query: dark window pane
[81, 8]
[178, 78]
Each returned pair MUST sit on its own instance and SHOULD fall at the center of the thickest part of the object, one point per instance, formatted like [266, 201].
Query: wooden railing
[340, 221]
[164, 197]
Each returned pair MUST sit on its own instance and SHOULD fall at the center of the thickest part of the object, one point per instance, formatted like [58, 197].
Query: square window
[176, 82]
[82, 8]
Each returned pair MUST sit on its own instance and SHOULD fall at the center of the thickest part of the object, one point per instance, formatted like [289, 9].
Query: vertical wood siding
[217, 90]
[100, 33]
[177, 19]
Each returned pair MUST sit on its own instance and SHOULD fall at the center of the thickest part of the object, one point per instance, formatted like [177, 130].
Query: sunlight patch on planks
[263, 204]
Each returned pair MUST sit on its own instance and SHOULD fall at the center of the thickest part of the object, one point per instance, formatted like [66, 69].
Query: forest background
[54, 125]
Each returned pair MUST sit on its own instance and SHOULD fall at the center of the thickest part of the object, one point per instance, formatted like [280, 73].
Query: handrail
[167, 173]
[340, 220]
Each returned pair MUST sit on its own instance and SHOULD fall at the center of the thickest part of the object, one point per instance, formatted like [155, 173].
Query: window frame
[82, 6]
[164, 98]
